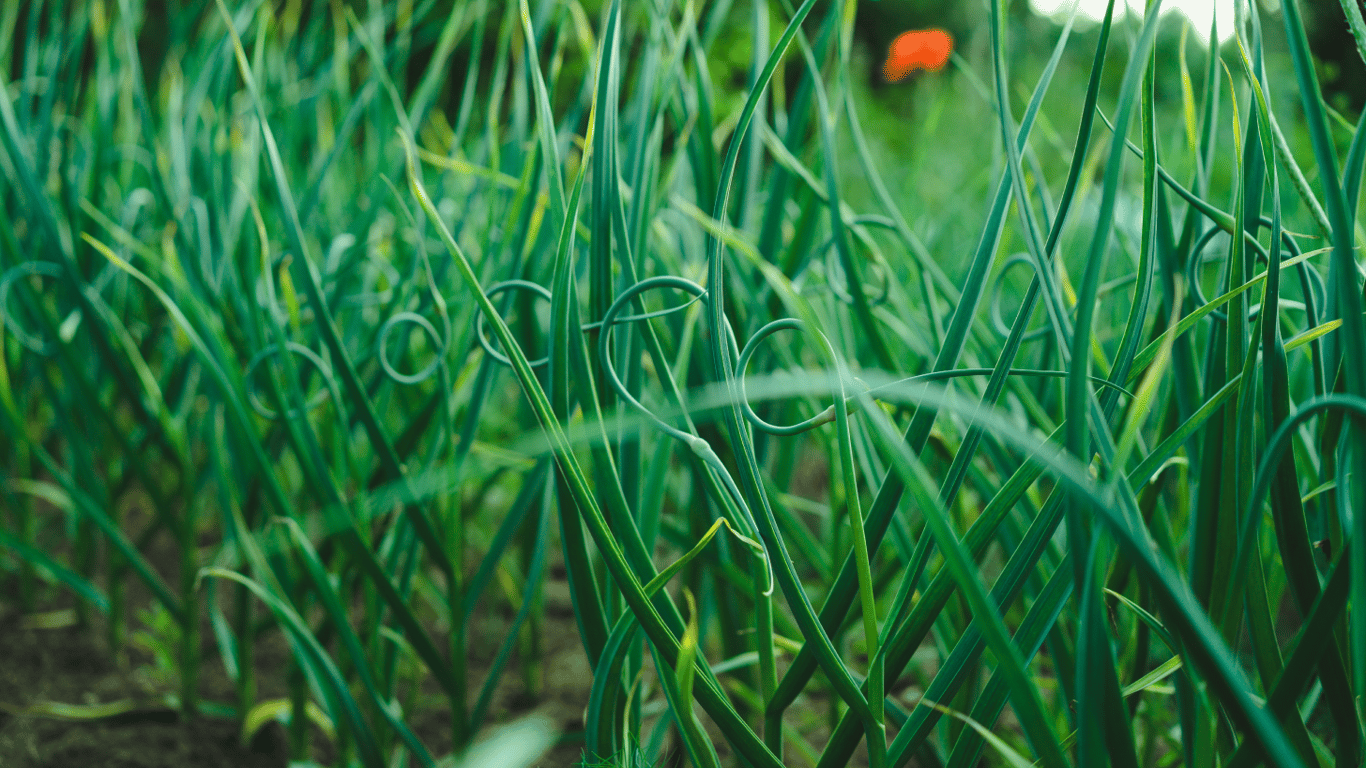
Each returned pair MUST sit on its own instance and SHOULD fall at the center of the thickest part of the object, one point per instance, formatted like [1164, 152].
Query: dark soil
[46, 659]
[67, 665]
[70, 665]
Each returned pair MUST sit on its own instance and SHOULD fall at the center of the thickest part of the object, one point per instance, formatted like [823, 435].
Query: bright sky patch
[1200, 12]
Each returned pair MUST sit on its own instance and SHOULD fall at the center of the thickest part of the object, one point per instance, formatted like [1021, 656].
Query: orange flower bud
[927, 49]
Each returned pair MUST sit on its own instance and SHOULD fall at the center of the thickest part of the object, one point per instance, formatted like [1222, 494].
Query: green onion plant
[387, 313]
